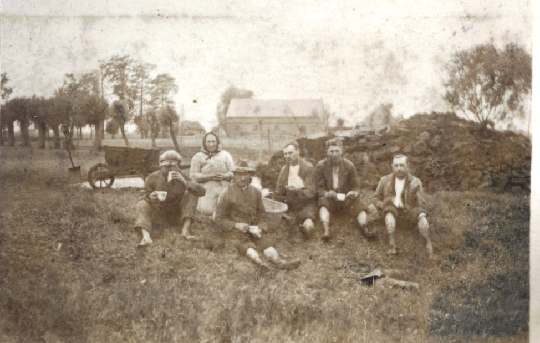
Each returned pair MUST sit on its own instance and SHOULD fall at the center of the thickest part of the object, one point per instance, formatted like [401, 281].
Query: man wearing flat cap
[169, 195]
[336, 181]
[238, 215]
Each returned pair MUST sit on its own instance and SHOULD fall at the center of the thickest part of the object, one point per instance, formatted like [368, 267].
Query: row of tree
[484, 83]
[119, 90]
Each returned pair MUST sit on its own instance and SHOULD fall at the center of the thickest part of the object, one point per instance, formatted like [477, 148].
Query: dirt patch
[445, 151]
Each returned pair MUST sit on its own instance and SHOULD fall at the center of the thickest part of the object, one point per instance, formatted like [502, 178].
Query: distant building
[295, 118]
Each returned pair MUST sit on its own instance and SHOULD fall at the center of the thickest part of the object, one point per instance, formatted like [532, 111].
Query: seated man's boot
[393, 249]
[326, 232]
[288, 265]
[429, 248]
[146, 240]
[306, 228]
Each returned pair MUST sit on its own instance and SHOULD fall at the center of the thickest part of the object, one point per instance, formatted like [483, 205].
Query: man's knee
[390, 222]
[362, 218]
[271, 253]
[423, 225]
[324, 214]
[308, 224]
[144, 215]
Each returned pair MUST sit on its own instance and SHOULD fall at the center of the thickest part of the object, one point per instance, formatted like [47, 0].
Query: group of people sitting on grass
[222, 190]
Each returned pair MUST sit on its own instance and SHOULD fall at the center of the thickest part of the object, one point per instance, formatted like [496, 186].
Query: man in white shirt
[295, 187]
[400, 196]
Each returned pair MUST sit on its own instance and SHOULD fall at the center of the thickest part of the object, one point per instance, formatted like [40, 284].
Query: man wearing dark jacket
[337, 186]
[239, 216]
[400, 196]
[296, 188]
[169, 195]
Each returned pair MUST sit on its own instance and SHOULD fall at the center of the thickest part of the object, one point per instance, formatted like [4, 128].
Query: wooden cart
[123, 161]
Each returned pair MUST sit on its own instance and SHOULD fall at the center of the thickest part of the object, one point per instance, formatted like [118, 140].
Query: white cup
[161, 195]
[341, 196]
[255, 231]
[170, 175]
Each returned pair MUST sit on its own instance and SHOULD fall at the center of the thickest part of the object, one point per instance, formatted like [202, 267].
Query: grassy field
[70, 272]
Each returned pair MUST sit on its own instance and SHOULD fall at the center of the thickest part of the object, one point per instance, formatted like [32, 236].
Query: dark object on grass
[369, 278]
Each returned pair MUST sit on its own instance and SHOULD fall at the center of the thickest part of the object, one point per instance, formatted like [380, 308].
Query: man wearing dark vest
[337, 187]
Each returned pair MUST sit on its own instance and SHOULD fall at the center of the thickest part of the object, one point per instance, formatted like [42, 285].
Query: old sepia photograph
[254, 171]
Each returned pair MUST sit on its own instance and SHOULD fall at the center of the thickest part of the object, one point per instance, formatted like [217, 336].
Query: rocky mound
[445, 151]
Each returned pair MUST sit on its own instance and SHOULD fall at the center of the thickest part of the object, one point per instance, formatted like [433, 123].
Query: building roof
[275, 108]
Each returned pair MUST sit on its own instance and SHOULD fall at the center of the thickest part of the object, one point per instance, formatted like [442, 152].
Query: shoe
[288, 265]
[145, 242]
[326, 237]
[368, 233]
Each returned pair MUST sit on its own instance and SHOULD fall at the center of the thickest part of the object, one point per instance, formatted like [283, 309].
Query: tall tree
[112, 128]
[39, 111]
[169, 119]
[140, 83]
[162, 89]
[153, 125]
[5, 93]
[18, 110]
[117, 71]
[230, 93]
[162, 114]
[121, 114]
[61, 117]
[489, 84]
[97, 110]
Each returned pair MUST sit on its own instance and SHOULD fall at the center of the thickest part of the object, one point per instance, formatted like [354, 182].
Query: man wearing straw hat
[337, 185]
[169, 195]
[295, 187]
[238, 215]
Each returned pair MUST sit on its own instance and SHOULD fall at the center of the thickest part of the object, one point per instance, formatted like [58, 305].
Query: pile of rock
[445, 151]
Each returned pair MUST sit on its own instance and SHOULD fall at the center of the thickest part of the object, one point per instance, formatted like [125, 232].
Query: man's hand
[218, 177]
[330, 195]
[153, 196]
[352, 194]
[243, 227]
[175, 175]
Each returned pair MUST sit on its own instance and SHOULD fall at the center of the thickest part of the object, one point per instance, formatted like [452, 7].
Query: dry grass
[70, 272]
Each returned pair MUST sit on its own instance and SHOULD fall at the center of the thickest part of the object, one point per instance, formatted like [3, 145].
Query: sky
[354, 55]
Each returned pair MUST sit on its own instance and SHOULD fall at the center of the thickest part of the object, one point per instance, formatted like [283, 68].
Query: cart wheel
[100, 176]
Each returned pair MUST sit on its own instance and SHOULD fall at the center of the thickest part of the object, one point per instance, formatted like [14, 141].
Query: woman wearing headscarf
[213, 168]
